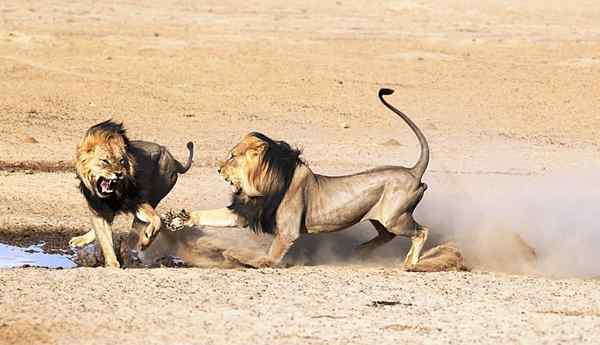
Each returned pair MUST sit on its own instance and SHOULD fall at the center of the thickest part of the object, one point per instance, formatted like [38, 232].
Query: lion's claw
[175, 221]
[77, 242]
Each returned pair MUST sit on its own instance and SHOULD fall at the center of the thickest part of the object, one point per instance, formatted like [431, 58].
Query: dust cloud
[536, 225]
[498, 220]
[539, 225]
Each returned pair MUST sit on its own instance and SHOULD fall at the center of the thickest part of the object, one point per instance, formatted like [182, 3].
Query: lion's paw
[175, 221]
[80, 241]
[77, 242]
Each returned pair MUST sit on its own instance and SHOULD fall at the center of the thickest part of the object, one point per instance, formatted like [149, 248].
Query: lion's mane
[110, 134]
[272, 176]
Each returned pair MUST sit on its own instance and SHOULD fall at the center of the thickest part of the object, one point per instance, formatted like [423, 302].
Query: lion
[121, 176]
[274, 191]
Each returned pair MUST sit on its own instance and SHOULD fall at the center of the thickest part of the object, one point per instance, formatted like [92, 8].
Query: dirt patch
[65, 166]
[400, 328]
[37, 166]
[55, 238]
[594, 313]
[25, 332]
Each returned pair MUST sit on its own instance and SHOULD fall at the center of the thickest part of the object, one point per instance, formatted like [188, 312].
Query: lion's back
[153, 180]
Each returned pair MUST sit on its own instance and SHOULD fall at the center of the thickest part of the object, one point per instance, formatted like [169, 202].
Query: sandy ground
[507, 94]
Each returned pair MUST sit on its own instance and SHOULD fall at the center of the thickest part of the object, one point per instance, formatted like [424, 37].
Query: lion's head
[102, 162]
[258, 165]
[260, 170]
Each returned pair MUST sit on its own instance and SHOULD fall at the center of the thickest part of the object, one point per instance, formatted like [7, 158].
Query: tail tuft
[385, 92]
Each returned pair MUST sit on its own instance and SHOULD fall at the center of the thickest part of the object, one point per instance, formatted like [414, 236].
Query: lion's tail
[182, 169]
[421, 165]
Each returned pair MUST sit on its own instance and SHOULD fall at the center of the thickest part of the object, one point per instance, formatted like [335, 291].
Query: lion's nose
[119, 175]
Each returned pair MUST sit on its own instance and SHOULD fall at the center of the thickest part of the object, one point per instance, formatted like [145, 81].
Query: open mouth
[106, 186]
[234, 187]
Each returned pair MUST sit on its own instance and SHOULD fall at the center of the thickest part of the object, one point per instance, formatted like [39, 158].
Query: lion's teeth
[106, 186]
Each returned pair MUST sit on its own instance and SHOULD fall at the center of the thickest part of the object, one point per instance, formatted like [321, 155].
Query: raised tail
[182, 169]
[421, 165]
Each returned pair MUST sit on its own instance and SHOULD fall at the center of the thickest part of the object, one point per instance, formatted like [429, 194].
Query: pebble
[30, 140]
[391, 142]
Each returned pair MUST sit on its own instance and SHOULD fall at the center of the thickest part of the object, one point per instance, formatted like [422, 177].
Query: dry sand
[507, 94]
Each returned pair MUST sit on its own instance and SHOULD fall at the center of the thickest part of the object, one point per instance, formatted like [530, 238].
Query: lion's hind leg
[383, 237]
[418, 234]
[418, 241]
[399, 220]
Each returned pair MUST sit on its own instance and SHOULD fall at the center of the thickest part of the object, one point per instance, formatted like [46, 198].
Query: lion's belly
[337, 212]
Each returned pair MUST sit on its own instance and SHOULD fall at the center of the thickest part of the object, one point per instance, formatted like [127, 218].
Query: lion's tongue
[105, 185]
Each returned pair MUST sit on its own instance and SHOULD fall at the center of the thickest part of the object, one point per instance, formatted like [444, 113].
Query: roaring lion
[276, 192]
[121, 176]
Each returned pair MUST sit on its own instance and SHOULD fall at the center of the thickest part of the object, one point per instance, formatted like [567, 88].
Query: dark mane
[129, 199]
[279, 163]
[127, 203]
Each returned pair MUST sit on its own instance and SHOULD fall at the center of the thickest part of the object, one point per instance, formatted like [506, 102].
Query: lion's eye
[105, 161]
[230, 156]
[123, 161]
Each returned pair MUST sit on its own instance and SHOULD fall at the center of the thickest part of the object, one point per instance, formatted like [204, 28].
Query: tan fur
[219, 217]
[246, 169]
[277, 193]
[445, 257]
[107, 166]
[92, 149]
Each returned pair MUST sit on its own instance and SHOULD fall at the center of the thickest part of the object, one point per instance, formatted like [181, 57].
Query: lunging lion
[277, 193]
[118, 175]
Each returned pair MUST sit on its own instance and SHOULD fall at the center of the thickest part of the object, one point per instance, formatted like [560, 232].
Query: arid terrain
[506, 92]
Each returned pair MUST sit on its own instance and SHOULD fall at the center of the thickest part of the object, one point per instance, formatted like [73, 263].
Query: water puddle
[33, 256]
[51, 250]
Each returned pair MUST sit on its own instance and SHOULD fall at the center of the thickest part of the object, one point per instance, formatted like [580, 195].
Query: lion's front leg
[103, 232]
[147, 214]
[289, 224]
[222, 217]
[287, 233]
